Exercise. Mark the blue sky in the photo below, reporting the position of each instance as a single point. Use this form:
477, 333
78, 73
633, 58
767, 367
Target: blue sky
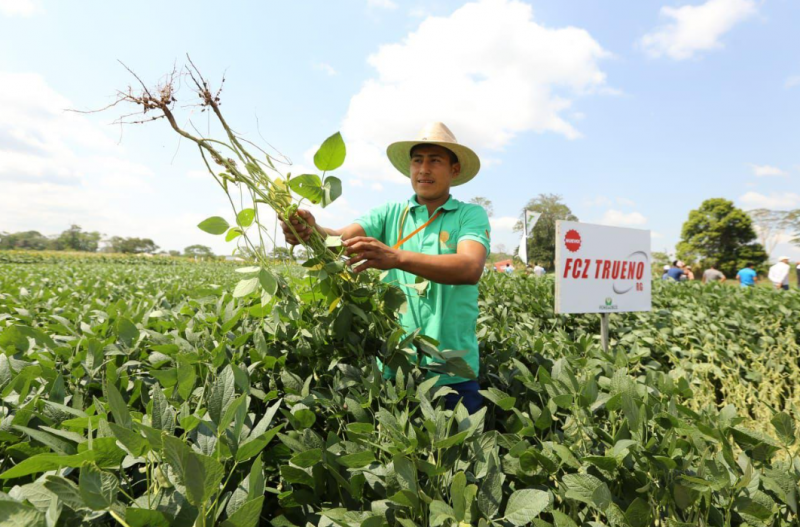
635, 112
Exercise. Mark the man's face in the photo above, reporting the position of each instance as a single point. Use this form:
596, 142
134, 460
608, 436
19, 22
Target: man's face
432, 173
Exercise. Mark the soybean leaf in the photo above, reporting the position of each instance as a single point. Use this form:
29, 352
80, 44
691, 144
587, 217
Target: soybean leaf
66, 490
525, 505
222, 394
784, 427
587, 489
15, 514
233, 233
245, 287
127, 331
638, 513
357, 460
245, 217
331, 190
202, 476
331, 154
119, 408
133, 441
307, 458
457, 496
308, 186
268, 282
247, 515
491, 490
136, 517
214, 225
97, 487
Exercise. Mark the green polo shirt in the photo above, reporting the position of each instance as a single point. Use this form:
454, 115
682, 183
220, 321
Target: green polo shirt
447, 313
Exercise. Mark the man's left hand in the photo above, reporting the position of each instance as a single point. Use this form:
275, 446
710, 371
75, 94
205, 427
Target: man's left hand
371, 253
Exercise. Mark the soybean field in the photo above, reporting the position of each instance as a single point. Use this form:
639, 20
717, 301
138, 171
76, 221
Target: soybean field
158, 395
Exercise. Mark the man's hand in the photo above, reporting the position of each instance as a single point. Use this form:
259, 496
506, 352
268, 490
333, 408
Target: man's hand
372, 253
303, 230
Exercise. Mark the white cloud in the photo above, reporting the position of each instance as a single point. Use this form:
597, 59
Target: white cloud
503, 74
384, 4
325, 67
766, 170
792, 81
20, 7
618, 218
783, 200
691, 29
376, 187
355, 182
656, 235
503, 223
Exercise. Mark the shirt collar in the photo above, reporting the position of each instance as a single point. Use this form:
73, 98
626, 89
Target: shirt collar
450, 204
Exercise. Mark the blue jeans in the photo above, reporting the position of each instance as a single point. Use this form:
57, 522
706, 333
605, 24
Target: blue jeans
467, 393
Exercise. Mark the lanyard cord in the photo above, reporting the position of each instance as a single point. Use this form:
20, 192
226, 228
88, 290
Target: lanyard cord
400, 238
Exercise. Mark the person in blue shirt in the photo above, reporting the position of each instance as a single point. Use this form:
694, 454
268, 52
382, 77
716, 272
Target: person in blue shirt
676, 271
747, 276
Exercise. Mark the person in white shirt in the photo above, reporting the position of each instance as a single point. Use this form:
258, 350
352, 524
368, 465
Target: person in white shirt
779, 273
798, 275
538, 270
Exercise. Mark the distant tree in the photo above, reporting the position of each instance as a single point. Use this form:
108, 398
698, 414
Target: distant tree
720, 232
198, 250
27, 240
173, 252
771, 226
118, 244
486, 203
75, 239
281, 253
542, 241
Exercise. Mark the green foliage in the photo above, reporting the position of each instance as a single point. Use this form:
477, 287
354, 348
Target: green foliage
542, 241
75, 239
146, 393
198, 250
118, 244
72, 239
486, 203
720, 232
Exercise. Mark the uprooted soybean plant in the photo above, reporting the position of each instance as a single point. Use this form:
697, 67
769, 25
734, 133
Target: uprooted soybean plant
205, 395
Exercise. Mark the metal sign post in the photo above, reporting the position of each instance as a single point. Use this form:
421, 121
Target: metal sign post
604, 330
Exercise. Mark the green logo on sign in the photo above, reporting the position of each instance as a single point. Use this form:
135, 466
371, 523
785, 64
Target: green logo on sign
608, 301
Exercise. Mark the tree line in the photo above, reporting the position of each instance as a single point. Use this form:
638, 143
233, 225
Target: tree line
77, 240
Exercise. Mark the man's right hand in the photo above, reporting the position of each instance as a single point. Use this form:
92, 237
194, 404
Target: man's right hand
303, 230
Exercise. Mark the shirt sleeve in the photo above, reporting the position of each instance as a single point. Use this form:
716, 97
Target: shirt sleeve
475, 226
374, 222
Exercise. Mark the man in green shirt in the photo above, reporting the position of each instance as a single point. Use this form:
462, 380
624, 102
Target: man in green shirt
433, 236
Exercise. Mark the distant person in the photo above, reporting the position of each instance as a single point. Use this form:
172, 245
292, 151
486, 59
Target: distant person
508, 269
779, 273
539, 270
676, 271
687, 270
747, 276
665, 273
713, 275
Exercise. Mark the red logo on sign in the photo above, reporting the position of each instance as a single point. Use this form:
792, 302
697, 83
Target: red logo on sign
572, 240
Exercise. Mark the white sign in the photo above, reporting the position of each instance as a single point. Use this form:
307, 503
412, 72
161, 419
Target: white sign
601, 269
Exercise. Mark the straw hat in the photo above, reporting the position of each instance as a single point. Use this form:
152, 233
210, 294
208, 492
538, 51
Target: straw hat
782, 258
435, 134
